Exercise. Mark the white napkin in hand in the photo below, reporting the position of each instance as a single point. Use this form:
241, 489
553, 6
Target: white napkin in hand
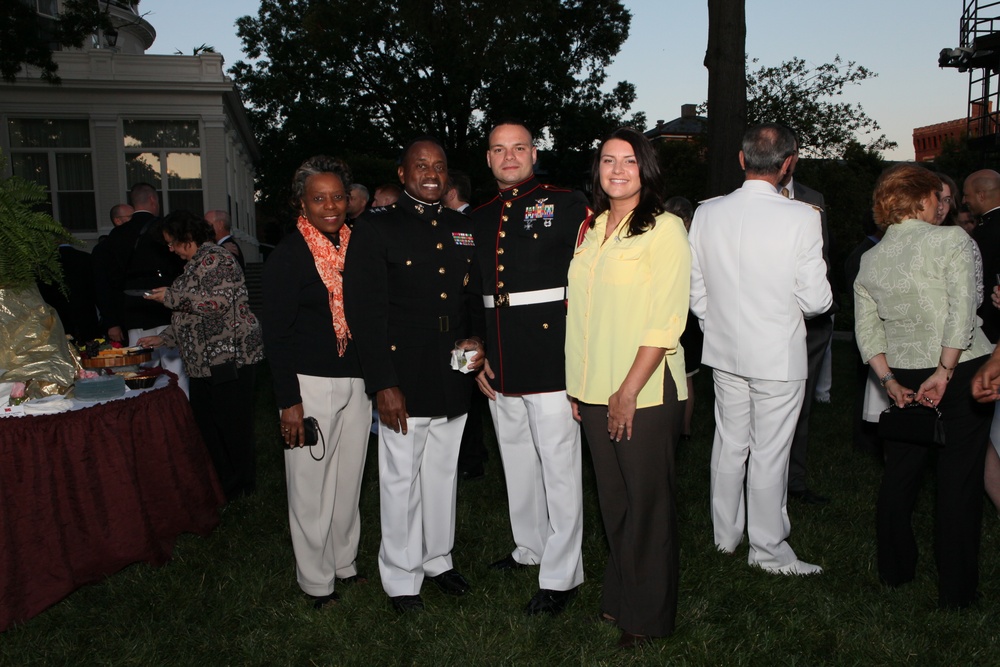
460, 359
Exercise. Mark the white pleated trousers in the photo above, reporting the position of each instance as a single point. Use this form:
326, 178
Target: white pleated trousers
323, 496
417, 488
541, 452
755, 421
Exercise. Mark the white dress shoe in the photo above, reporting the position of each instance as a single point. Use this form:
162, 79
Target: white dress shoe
797, 567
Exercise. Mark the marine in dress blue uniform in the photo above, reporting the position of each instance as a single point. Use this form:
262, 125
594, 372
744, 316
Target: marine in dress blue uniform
407, 299
525, 239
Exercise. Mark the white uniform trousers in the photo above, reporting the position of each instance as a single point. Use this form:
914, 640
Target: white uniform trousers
164, 357
417, 475
541, 452
323, 496
755, 421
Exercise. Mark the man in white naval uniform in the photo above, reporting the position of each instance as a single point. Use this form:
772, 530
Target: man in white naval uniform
757, 272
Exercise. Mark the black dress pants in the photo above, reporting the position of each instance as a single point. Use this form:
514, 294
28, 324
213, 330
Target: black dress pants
958, 507
636, 486
225, 417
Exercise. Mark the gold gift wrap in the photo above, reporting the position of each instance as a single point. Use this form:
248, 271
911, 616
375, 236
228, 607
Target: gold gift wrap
33, 344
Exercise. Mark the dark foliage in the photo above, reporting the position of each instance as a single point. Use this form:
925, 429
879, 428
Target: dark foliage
27, 38
360, 81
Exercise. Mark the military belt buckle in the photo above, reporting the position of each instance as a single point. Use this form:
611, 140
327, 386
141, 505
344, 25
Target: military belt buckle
443, 324
501, 300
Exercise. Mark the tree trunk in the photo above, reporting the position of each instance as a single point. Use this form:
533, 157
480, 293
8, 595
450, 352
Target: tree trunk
725, 59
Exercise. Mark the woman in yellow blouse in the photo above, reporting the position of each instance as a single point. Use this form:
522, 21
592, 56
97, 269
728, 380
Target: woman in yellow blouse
628, 300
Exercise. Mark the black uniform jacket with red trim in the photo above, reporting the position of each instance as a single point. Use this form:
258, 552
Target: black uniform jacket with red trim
410, 291
525, 238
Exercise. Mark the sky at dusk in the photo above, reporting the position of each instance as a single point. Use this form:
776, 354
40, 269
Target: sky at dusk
898, 39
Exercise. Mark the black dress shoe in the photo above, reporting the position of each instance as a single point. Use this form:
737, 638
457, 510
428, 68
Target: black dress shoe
353, 579
506, 564
451, 583
405, 603
549, 602
324, 601
808, 497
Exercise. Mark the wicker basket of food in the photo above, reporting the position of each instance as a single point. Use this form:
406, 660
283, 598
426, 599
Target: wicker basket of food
115, 357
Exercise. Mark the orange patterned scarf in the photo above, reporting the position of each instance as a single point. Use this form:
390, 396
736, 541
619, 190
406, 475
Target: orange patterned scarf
330, 265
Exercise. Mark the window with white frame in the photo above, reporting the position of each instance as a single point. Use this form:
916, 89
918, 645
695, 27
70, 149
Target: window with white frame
56, 154
167, 155
46, 7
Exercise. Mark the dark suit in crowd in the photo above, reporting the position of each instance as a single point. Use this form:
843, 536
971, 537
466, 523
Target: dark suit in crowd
987, 235
819, 331
139, 259
77, 309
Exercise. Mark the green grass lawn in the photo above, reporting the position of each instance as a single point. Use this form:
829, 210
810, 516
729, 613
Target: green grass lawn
231, 598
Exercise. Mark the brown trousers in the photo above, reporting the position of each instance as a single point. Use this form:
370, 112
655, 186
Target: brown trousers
636, 486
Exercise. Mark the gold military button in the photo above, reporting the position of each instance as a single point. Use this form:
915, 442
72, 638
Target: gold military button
535, 235
514, 192
500, 267
409, 262
504, 218
444, 295
502, 234
440, 246
499, 251
392, 347
434, 223
441, 270
500, 285
507, 204
545, 325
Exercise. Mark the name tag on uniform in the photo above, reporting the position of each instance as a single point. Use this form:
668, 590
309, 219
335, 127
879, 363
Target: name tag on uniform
462, 238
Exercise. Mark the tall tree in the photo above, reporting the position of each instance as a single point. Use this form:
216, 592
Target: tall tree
361, 81
27, 38
727, 92
805, 99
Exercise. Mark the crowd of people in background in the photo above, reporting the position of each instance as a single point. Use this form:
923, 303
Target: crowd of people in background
571, 321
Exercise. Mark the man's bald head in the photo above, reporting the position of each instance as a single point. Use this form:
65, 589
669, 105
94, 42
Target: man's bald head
221, 224
981, 191
120, 214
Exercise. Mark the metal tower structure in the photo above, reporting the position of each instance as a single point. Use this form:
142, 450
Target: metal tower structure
979, 54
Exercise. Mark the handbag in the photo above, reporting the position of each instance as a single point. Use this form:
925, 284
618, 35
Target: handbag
312, 435
915, 424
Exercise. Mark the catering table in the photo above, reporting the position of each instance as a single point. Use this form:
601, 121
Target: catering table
87, 492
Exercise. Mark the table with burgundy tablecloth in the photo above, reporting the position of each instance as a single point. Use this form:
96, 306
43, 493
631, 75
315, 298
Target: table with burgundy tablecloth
86, 492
